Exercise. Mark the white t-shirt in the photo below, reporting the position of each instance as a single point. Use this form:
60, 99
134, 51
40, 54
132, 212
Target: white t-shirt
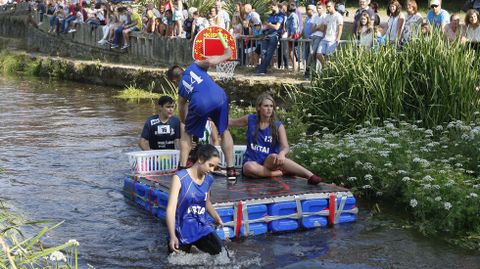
333, 21
393, 27
224, 15
473, 34
318, 20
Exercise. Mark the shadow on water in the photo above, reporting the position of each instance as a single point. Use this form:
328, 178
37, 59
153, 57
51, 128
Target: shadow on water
63, 144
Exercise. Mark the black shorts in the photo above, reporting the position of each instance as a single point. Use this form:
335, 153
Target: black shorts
210, 244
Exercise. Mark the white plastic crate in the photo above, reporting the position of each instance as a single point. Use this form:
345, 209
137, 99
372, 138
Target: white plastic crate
238, 153
153, 161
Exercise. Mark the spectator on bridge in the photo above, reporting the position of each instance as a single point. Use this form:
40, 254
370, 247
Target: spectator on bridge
412, 22
79, 19
56, 19
374, 7
150, 18
472, 27
215, 19
161, 21
454, 30
364, 6
274, 29
223, 14
436, 16
72, 15
395, 22
307, 34
364, 31
117, 31
318, 32
199, 23
333, 32
135, 25
188, 23
293, 31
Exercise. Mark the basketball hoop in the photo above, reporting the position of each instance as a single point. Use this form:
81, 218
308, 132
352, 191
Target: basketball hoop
225, 70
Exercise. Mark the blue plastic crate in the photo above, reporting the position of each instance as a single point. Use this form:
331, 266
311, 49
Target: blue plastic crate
314, 206
282, 209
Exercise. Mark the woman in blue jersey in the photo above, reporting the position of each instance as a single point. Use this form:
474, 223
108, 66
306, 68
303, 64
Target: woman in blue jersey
267, 144
188, 205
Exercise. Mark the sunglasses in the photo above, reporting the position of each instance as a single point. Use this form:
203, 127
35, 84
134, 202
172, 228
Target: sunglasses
434, 6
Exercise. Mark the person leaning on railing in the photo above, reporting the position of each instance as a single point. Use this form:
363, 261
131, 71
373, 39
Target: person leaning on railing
273, 31
413, 21
472, 28
454, 30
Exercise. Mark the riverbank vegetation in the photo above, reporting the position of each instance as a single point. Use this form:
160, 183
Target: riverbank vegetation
403, 127
22, 251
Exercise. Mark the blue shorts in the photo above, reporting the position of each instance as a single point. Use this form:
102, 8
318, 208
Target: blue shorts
327, 47
195, 122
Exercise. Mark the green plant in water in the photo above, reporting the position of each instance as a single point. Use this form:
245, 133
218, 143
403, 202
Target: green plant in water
132, 92
428, 80
19, 251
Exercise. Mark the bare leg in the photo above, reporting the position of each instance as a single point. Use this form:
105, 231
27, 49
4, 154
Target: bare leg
227, 147
288, 166
185, 147
254, 169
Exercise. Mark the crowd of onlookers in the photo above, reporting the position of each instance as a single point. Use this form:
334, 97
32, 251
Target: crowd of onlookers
312, 36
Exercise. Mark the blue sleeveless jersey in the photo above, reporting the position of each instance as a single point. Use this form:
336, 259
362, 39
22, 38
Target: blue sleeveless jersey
259, 150
191, 221
203, 94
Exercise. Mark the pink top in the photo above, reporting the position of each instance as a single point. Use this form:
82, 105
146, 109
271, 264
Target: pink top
450, 34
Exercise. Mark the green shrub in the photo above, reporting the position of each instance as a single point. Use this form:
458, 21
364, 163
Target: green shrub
427, 80
433, 173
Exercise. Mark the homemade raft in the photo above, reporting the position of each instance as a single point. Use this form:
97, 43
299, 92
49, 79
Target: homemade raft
248, 206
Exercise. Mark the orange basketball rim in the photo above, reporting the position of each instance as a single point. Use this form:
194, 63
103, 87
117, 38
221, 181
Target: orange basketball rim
208, 43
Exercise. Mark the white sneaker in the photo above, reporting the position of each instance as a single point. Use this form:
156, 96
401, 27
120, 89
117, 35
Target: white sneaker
102, 42
72, 31
125, 47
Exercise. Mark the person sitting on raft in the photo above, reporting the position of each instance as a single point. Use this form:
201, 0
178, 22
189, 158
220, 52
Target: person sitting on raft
267, 145
188, 205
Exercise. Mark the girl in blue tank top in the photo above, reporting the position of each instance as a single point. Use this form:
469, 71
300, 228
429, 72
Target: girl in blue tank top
267, 144
189, 203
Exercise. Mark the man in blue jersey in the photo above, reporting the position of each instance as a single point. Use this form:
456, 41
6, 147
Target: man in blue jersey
202, 98
161, 131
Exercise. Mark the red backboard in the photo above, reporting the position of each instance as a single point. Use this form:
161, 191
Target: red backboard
207, 43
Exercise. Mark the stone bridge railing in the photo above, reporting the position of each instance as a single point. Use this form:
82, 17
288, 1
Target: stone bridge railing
144, 48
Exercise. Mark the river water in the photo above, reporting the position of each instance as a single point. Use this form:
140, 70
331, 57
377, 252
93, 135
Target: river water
63, 148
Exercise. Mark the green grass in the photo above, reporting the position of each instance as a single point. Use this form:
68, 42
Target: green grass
21, 251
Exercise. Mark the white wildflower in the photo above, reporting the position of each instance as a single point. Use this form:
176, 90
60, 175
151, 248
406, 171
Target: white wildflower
439, 128
309, 115
384, 153
368, 166
428, 178
438, 198
341, 156
390, 126
325, 129
413, 203
73, 242
473, 195
427, 186
358, 163
379, 193
406, 179
389, 164
368, 177
367, 187
402, 172
436, 187
476, 113
351, 178
447, 205
367, 123
57, 256
428, 132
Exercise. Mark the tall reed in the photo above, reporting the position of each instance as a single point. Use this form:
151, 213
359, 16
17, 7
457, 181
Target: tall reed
428, 79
